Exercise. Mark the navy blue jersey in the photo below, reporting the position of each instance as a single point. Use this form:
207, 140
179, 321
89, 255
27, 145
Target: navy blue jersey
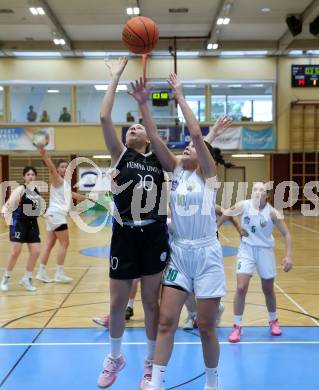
30, 205
142, 177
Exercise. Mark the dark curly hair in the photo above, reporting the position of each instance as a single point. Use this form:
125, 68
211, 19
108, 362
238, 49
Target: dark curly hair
217, 156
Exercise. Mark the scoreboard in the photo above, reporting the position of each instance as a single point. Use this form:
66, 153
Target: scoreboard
305, 76
160, 98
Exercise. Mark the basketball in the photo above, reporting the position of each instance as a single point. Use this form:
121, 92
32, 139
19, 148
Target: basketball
140, 35
40, 138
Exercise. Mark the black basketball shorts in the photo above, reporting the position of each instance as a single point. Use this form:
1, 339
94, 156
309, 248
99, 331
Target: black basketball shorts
138, 251
25, 231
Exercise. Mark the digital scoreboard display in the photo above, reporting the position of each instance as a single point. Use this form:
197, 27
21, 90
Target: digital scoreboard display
305, 76
160, 98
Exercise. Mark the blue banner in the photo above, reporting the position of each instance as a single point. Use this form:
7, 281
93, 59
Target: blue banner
257, 139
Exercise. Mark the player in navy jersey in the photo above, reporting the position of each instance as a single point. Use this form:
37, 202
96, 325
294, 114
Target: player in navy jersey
139, 245
23, 208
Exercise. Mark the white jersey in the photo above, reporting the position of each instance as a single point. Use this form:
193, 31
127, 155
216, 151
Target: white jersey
192, 206
60, 199
258, 224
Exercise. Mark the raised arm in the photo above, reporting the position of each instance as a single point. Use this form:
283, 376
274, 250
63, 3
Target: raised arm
206, 162
56, 178
283, 229
141, 92
114, 145
222, 124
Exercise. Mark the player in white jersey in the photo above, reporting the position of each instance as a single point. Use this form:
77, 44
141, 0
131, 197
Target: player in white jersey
56, 218
196, 257
256, 251
190, 321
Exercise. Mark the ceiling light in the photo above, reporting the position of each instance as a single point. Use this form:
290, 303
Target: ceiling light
187, 53
106, 156
59, 41
248, 155
53, 91
234, 86
257, 85
95, 54
33, 11
37, 11
40, 11
226, 20
232, 53
136, 10
265, 9
295, 53
220, 21
256, 52
1, 88
129, 10
213, 46
215, 85
37, 54
238, 53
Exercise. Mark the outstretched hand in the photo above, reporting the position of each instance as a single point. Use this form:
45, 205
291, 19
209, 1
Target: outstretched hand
41, 149
175, 84
222, 124
140, 91
117, 67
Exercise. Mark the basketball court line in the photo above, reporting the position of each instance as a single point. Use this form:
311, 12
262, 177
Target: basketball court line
93, 267
296, 303
145, 343
41, 330
223, 237
305, 228
283, 291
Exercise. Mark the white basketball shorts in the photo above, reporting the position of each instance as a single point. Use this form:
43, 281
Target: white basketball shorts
196, 265
250, 258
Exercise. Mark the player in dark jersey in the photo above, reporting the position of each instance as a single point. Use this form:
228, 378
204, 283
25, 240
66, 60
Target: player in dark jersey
139, 246
23, 208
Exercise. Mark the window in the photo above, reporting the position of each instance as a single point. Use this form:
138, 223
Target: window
195, 97
28, 103
89, 101
239, 108
218, 106
243, 102
262, 108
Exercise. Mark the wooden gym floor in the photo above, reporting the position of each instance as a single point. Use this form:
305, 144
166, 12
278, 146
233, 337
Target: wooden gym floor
74, 305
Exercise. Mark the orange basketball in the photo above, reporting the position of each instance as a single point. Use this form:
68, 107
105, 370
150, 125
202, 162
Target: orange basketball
140, 35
